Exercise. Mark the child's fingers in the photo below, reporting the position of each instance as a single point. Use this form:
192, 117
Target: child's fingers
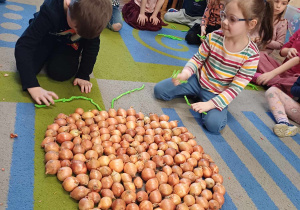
50, 99
45, 101
53, 94
38, 100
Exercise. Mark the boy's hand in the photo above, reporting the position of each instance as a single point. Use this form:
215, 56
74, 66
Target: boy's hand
41, 95
264, 78
154, 20
203, 31
292, 53
203, 106
183, 76
142, 19
84, 85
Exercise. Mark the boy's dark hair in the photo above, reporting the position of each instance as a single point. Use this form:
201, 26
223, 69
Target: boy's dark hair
90, 16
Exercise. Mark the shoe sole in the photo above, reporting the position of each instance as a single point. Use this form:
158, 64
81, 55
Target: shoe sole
282, 130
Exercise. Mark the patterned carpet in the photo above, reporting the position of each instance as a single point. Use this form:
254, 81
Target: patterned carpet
260, 170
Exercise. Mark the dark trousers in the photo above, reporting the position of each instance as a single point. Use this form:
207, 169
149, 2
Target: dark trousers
61, 59
191, 36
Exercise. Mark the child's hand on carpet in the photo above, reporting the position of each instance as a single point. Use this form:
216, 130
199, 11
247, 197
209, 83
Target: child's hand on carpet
84, 85
41, 95
203, 106
183, 76
154, 20
264, 78
142, 19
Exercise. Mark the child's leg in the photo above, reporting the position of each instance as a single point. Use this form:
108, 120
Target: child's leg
63, 63
191, 36
165, 90
115, 23
215, 120
180, 17
282, 106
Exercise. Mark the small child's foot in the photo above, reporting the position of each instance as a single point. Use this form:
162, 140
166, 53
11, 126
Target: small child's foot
285, 129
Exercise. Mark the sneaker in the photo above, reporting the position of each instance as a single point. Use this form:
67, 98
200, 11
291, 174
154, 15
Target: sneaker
285, 129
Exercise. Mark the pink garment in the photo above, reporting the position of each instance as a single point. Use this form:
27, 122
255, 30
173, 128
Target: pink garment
285, 80
150, 5
282, 106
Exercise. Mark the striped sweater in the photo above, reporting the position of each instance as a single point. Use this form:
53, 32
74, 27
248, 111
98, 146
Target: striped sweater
221, 72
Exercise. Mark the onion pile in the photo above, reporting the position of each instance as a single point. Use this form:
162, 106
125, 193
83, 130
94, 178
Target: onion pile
120, 159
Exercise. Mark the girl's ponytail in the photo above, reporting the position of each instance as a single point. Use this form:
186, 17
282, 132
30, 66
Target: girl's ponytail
266, 27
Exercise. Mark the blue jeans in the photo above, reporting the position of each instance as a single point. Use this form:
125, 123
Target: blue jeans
115, 18
214, 121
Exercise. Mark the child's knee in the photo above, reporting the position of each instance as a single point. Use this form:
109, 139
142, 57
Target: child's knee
116, 27
159, 93
215, 124
192, 38
271, 90
167, 17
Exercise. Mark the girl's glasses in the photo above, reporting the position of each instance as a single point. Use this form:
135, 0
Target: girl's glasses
231, 19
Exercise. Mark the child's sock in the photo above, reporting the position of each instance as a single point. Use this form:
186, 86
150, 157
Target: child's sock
256, 75
284, 128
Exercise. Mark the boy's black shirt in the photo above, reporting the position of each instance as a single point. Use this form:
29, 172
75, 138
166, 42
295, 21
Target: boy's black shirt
194, 8
50, 24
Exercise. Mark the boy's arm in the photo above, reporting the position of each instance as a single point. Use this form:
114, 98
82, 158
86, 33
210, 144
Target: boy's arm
88, 58
28, 43
295, 90
240, 81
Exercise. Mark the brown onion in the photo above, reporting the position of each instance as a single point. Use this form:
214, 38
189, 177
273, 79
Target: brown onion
207, 194
118, 204
213, 204
51, 146
129, 186
65, 154
128, 196
219, 198
104, 160
141, 196
83, 179
126, 178
95, 185
105, 203
78, 149
64, 173
202, 202
65, 163
132, 206
218, 178
117, 189
181, 189
79, 192
189, 200
51, 155
195, 189
107, 182
70, 183
182, 206
173, 179
150, 164
86, 203
219, 188
155, 197
165, 189
175, 198
95, 197
116, 177
151, 185
52, 166
107, 193
146, 205
117, 165
138, 182
78, 167
147, 174
162, 177
167, 204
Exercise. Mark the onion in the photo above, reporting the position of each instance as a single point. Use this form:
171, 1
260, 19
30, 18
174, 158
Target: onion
189, 175
98, 149
213, 204
132, 206
206, 172
182, 206
86, 144
146, 205
104, 114
118, 204
167, 204
105, 203
158, 160
131, 132
107, 193
117, 165
219, 188
168, 159
195, 189
140, 166
207, 194
176, 169
219, 198
203, 162
79, 111
128, 196
105, 171
121, 112
53, 126
109, 150
185, 181
196, 207
217, 178
51, 146
173, 179
117, 189
131, 151
52, 166
95, 197
132, 112
181, 189
78, 167
79, 192
139, 115
67, 145
162, 177
65, 154
77, 140
155, 197
64, 173
50, 133
51, 155
147, 174
151, 185
175, 198
133, 158
78, 149
61, 122
174, 123
79, 123
83, 179
179, 159
165, 189
65, 163
202, 202
140, 130
70, 183
85, 204
104, 160
167, 170
116, 177
141, 196
138, 182
198, 172
107, 182
75, 116
129, 186
189, 200
192, 161
47, 140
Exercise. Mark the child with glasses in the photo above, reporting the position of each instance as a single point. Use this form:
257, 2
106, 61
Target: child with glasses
225, 63
210, 22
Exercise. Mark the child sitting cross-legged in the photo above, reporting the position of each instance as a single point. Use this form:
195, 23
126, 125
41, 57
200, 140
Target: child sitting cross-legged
225, 63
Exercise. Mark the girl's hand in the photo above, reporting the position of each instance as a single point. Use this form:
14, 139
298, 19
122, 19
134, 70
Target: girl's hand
142, 19
154, 20
203, 31
84, 85
203, 106
264, 78
41, 95
292, 53
183, 76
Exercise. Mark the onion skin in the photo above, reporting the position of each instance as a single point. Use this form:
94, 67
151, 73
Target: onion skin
117, 189
85, 204
79, 192
95, 197
213, 204
105, 203
118, 204
70, 183
151, 185
155, 197
165, 189
83, 179
138, 182
146, 205
64, 173
117, 165
52, 167
128, 196
141, 196
167, 204
147, 174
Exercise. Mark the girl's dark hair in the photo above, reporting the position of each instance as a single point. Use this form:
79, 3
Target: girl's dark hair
90, 16
262, 11
279, 16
